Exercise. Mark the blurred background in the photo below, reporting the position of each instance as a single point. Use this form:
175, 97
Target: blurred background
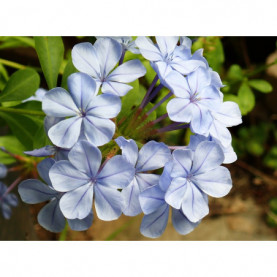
248, 68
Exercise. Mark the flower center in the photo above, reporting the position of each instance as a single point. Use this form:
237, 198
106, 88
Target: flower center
194, 98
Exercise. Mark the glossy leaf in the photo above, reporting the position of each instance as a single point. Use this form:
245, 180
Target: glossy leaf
261, 85
246, 99
69, 69
21, 85
50, 52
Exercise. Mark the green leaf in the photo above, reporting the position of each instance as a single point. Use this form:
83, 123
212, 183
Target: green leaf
50, 52
231, 97
261, 85
273, 205
235, 73
69, 69
270, 159
13, 145
41, 139
246, 99
12, 42
132, 99
21, 85
23, 127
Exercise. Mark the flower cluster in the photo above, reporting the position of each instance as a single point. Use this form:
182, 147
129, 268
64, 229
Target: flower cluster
116, 164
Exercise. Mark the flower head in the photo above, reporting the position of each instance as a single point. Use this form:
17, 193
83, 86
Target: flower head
153, 155
84, 110
99, 60
82, 178
33, 191
196, 175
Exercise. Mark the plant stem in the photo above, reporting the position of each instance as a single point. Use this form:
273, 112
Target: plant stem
159, 103
11, 187
154, 94
16, 65
22, 111
172, 127
155, 80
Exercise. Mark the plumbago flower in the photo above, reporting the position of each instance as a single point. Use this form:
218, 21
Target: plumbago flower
156, 209
84, 109
166, 55
82, 178
33, 191
84, 118
195, 98
99, 60
153, 155
3, 171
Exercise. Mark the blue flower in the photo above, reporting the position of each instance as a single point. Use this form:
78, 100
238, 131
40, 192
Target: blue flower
99, 60
39, 94
156, 209
82, 179
167, 56
3, 171
195, 98
152, 155
84, 110
229, 153
50, 217
228, 115
196, 175
7, 200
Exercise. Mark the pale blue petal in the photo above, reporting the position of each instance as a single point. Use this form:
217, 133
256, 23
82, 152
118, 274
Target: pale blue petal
195, 203
216, 183
58, 103
230, 155
61, 154
207, 156
108, 52
117, 173
185, 41
163, 70
229, 114
78, 202
65, 177
82, 89
167, 44
43, 170
152, 155
181, 224
178, 84
108, 203
195, 140
180, 110
81, 224
66, 133
130, 199
165, 178
3, 171
186, 67
116, 88
129, 149
147, 180
98, 131
51, 218
127, 72
6, 210
85, 59
210, 97
148, 50
34, 191
201, 119
45, 151
221, 133
11, 199
153, 225
176, 192
199, 79
85, 157
151, 199
104, 106
182, 162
